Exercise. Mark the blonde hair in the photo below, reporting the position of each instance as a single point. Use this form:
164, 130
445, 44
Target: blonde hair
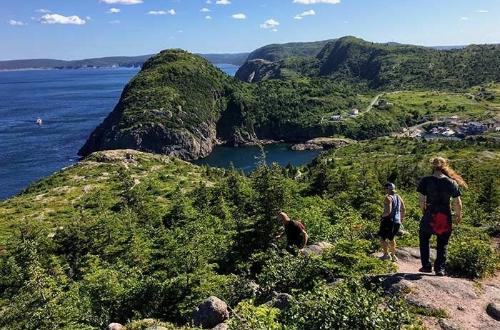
441, 164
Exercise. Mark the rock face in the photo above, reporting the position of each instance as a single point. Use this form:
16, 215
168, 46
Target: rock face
210, 313
171, 107
257, 70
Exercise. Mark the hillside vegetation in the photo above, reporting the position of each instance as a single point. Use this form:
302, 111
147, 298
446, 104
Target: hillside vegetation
181, 105
391, 66
125, 235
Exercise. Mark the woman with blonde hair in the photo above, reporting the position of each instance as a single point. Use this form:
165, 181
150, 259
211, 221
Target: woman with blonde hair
435, 193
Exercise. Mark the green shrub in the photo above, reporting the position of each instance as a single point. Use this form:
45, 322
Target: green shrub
347, 306
472, 258
250, 317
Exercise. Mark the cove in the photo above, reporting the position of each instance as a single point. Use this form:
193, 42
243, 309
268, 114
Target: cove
247, 158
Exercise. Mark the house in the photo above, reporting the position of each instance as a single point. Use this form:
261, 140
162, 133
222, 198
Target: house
354, 112
336, 117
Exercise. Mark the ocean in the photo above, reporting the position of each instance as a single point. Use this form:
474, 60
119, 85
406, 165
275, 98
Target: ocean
71, 104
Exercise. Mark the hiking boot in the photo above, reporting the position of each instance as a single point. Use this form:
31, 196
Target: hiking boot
394, 258
426, 269
385, 257
440, 273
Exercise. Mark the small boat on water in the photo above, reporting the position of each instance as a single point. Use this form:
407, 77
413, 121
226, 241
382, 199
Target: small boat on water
39, 122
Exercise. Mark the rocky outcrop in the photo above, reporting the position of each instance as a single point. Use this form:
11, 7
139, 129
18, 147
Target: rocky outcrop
258, 70
460, 300
171, 107
210, 313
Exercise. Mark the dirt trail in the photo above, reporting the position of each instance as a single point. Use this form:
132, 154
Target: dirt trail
463, 301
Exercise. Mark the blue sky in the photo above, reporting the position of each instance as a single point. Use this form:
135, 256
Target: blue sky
74, 29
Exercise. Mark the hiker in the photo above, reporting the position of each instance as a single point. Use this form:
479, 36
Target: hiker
295, 231
390, 223
435, 193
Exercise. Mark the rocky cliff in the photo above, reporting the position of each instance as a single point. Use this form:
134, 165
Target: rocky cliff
171, 107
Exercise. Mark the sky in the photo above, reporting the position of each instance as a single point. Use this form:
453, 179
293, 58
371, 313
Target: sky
77, 29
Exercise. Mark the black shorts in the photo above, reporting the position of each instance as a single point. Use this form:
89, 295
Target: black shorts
388, 229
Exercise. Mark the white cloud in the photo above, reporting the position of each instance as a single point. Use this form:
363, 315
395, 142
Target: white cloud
208, 17
223, 2
312, 2
481, 11
306, 13
205, 10
122, 2
43, 11
13, 22
60, 19
162, 12
114, 10
464, 18
208, 2
239, 16
270, 24
114, 22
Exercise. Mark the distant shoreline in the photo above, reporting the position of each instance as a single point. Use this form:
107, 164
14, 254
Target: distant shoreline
94, 68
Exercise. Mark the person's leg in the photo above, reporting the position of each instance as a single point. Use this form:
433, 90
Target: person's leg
424, 238
384, 245
392, 250
441, 252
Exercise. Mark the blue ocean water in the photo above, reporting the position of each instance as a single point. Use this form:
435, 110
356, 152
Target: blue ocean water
71, 104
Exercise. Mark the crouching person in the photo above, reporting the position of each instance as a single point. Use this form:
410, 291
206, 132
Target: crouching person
296, 235
390, 223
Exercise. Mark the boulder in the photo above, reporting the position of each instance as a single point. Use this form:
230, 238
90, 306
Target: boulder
156, 327
412, 252
280, 300
210, 313
493, 310
447, 325
316, 249
397, 285
115, 326
221, 326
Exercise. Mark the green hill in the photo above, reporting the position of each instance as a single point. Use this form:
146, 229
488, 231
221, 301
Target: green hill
124, 236
170, 107
276, 52
388, 66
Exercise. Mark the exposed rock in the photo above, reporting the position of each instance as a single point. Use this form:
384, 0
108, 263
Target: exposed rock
210, 313
329, 143
280, 300
221, 326
156, 327
115, 326
257, 70
306, 146
316, 249
397, 285
493, 310
410, 252
447, 325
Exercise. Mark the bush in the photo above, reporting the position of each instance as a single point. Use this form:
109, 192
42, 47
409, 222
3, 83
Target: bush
346, 306
472, 258
249, 317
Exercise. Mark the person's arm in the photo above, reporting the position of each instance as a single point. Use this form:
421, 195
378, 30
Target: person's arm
403, 209
457, 208
387, 207
422, 199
